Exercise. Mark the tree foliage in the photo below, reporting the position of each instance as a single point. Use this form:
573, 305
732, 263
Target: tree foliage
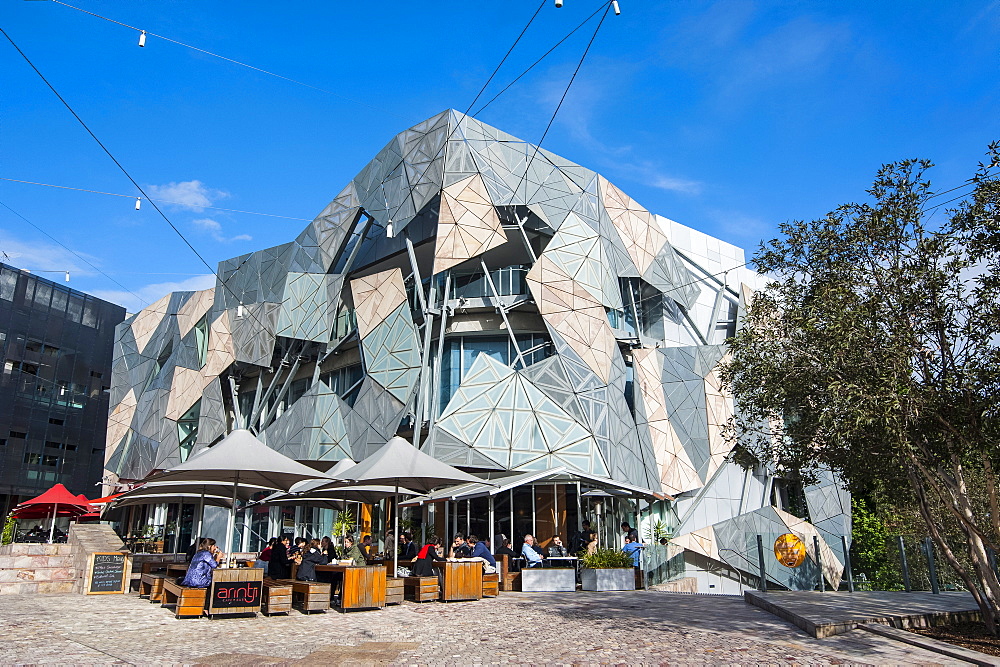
874, 352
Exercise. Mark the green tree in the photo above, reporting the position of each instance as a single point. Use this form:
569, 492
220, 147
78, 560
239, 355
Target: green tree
874, 352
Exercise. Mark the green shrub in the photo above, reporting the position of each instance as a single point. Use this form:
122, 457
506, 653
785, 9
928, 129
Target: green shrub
605, 558
9, 530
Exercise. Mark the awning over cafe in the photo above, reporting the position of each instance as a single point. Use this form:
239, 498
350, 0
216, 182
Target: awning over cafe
559, 475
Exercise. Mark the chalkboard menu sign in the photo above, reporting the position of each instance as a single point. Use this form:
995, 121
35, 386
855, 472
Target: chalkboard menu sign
108, 573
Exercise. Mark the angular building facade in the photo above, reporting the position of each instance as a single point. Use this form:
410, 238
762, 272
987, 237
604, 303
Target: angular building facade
56, 345
509, 311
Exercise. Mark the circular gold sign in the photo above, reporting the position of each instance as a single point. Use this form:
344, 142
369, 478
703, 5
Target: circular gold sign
790, 550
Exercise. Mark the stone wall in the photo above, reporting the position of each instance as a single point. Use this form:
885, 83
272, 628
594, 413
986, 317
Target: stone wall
37, 569
85, 539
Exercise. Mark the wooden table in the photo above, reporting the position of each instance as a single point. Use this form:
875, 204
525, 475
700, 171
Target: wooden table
461, 580
363, 586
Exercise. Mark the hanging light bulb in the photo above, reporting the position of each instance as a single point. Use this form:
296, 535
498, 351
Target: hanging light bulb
138, 203
614, 5
142, 38
559, 3
67, 276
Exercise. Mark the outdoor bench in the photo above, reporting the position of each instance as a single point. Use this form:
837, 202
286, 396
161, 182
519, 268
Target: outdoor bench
186, 600
394, 590
421, 589
277, 597
151, 586
309, 595
491, 585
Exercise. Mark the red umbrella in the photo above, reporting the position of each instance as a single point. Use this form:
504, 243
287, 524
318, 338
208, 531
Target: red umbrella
57, 501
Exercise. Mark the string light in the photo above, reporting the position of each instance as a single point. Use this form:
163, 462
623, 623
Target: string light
138, 203
142, 38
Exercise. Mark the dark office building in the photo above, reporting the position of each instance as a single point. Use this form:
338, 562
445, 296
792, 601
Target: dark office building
56, 345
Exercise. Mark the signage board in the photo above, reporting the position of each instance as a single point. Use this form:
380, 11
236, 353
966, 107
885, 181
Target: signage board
235, 590
107, 573
790, 550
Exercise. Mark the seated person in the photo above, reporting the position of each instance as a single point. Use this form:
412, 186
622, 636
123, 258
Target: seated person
480, 550
459, 549
193, 549
407, 549
529, 553
367, 548
206, 559
422, 566
591, 543
308, 559
353, 552
557, 549
632, 548
300, 544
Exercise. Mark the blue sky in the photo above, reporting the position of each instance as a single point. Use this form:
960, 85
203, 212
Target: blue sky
730, 117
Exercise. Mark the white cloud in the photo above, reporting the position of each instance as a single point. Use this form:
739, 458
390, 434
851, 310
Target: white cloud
191, 195
36, 256
150, 293
214, 229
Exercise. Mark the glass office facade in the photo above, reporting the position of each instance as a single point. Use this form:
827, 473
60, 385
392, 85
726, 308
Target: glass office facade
56, 346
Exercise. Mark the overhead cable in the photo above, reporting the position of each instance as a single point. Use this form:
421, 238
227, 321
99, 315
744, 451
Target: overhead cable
165, 201
231, 60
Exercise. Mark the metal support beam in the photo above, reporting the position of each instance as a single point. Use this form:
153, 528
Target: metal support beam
259, 405
418, 285
436, 384
503, 312
284, 390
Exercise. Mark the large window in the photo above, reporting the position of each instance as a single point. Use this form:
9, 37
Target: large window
201, 340
461, 352
187, 430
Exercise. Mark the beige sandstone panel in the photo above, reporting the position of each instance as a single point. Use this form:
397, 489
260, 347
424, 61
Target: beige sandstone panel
119, 421
574, 314
674, 467
700, 541
468, 225
638, 230
185, 388
376, 297
220, 349
194, 309
146, 321
720, 409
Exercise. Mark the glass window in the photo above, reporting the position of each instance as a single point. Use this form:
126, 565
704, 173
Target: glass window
60, 298
89, 314
187, 430
8, 283
201, 340
43, 294
75, 312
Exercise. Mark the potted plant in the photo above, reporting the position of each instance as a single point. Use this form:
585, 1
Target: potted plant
607, 570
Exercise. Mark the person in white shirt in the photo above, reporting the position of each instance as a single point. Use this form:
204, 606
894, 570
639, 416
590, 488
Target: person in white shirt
533, 557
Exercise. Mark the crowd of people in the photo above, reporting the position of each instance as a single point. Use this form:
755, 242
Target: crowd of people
282, 553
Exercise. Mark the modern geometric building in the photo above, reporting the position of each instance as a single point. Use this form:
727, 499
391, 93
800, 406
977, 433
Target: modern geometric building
511, 312
56, 349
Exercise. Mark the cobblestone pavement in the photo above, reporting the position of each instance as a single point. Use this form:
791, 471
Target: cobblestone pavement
557, 628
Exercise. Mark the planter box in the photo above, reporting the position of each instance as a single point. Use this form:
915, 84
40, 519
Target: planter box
608, 579
548, 579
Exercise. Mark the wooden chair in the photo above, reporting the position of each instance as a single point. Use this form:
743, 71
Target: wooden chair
187, 601
509, 581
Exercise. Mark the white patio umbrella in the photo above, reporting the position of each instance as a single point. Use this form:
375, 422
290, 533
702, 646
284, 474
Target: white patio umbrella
240, 458
403, 466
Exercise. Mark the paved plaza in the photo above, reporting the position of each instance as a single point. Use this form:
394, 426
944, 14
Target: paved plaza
554, 628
